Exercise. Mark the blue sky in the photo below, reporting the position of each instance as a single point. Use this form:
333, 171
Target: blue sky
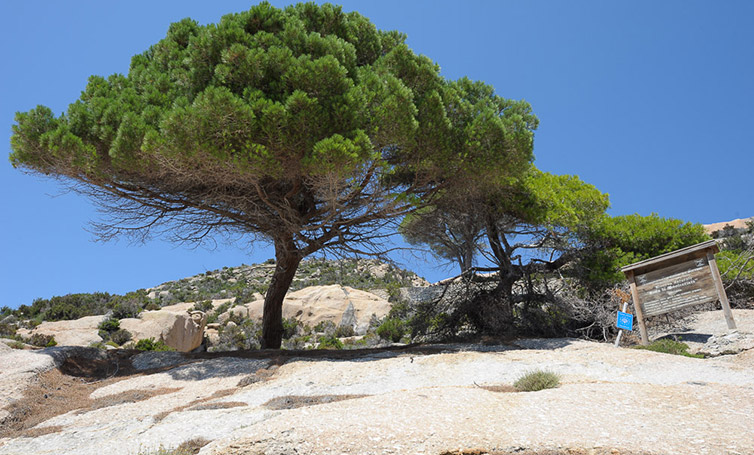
652, 102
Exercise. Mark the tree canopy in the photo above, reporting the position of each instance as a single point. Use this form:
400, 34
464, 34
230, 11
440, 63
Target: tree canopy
306, 127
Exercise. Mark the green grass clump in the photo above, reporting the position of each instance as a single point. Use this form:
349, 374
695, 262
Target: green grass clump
537, 380
149, 344
329, 342
668, 346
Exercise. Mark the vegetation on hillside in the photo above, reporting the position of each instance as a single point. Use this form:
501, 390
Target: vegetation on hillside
736, 263
311, 129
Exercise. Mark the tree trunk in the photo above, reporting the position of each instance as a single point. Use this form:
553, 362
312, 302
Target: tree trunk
288, 259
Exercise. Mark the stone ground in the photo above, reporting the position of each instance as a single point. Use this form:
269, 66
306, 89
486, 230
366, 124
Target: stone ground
441, 399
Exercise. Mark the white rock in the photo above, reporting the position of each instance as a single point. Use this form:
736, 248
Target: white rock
78, 332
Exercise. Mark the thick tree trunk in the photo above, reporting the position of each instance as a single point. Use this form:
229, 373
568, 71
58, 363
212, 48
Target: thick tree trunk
508, 273
288, 259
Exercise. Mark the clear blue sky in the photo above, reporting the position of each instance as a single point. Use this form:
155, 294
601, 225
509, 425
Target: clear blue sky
652, 102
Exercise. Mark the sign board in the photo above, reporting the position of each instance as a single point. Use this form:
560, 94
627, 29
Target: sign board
625, 321
676, 280
678, 286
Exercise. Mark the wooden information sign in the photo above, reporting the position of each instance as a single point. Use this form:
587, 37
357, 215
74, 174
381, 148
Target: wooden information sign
676, 280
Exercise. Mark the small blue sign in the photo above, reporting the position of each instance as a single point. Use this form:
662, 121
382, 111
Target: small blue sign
625, 321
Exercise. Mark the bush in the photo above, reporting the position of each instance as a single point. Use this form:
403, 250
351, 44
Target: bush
126, 309
110, 324
391, 330
148, 344
7, 330
17, 345
242, 334
290, 327
109, 330
326, 327
217, 312
204, 306
537, 380
120, 337
330, 342
344, 331
668, 346
42, 341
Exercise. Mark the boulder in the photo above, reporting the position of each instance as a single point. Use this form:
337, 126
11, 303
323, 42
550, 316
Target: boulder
175, 325
342, 305
78, 332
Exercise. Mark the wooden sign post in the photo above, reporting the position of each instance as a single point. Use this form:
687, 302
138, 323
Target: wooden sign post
676, 280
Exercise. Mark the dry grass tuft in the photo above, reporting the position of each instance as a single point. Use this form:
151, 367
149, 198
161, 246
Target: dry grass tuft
218, 405
295, 401
129, 396
261, 375
50, 394
219, 394
53, 393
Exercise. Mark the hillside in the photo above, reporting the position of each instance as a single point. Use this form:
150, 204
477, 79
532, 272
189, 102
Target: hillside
243, 283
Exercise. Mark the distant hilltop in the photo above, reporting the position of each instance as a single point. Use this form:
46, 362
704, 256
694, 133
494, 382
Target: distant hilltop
737, 224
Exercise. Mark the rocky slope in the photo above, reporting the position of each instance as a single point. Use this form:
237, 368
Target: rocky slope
431, 400
351, 294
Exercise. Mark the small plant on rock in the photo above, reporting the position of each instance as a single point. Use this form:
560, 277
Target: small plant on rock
344, 331
326, 327
537, 380
120, 337
204, 306
668, 346
330, 342
149, 344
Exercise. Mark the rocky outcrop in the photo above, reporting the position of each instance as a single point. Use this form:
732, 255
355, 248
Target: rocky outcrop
342, 305
739, 223
78, 332
176, 325
454, 398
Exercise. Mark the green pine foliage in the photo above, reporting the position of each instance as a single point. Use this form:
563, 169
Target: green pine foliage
622, 240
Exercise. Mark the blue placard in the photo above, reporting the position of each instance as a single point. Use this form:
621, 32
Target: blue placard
625, 321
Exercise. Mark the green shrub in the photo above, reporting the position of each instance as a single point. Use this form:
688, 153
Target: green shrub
7, 330
127, 308
17, 345
98, 345
391, 330
204, 306
217, 312
110, 324
42, 341
148, 344
243, 334
290, 327
120, 337
537, 380
344, 331
668, 346
326, 327
329, 342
